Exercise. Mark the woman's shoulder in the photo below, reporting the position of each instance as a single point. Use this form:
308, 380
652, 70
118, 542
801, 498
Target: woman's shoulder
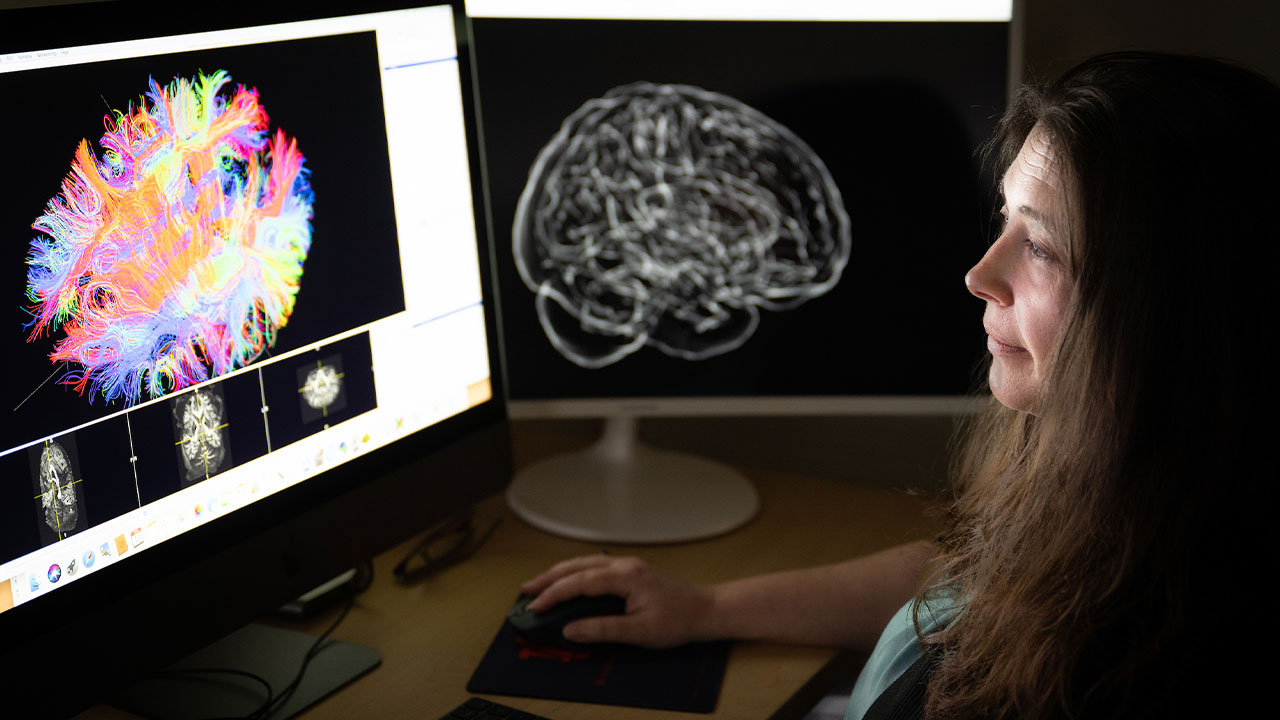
899, 646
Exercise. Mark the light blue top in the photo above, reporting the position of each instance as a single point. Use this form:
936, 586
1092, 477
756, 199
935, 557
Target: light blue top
896, 650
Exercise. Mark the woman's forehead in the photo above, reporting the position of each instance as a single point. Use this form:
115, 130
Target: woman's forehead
1032, 186
1035, 161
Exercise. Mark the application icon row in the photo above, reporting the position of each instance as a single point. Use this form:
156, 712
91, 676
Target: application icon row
60, 571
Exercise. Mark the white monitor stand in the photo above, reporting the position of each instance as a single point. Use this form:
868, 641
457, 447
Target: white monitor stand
619, 490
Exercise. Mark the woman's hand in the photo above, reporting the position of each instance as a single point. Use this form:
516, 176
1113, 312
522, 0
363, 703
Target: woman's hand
841, 605
662, 610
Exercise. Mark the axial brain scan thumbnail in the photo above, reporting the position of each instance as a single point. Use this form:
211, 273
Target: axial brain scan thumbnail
174, 255
669, 216
199, 419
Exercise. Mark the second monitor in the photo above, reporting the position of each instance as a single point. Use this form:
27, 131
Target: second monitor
701, 212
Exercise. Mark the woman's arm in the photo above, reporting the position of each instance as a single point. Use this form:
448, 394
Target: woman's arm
842, 605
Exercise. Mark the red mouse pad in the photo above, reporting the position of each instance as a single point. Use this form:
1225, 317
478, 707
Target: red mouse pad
686, 678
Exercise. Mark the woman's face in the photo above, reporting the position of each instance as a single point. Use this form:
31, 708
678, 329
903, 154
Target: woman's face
1023, 276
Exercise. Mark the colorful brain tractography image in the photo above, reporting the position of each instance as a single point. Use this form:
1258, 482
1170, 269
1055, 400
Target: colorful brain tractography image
669, 216
321, 388
175, 254
200, 424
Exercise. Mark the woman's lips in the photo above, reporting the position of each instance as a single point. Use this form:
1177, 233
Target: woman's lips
998, 348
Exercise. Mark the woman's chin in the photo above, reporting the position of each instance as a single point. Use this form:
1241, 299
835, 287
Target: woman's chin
1015, 390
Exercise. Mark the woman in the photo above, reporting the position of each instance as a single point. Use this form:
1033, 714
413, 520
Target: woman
1106, 533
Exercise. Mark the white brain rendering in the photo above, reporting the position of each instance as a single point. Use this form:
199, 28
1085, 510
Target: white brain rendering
668, 216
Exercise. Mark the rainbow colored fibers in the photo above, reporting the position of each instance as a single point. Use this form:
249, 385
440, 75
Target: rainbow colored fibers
176, 254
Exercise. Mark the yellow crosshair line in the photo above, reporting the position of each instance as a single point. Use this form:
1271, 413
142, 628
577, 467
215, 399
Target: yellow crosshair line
204, 456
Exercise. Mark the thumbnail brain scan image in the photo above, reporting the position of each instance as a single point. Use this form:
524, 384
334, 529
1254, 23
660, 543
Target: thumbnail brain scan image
670, 216
321, 388
57, 490
174, 253
200, 421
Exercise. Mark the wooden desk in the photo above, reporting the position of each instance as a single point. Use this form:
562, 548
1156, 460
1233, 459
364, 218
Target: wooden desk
433, 634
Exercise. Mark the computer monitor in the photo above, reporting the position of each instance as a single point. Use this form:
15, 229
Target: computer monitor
727, 208
249, 329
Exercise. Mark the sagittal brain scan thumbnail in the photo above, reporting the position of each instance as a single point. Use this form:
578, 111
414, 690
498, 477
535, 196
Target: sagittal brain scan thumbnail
175, 253
200, 425
59, 491
669, 216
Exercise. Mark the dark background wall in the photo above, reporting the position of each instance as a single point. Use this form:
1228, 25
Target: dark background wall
1054, 33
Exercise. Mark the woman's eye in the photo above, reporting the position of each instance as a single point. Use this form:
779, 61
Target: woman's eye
1037, 251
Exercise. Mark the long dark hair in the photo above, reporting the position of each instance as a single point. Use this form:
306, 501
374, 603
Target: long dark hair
1101, 546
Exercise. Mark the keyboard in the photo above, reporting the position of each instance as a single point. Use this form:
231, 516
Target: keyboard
481, 709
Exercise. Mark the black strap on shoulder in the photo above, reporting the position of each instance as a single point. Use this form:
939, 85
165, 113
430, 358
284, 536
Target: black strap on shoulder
904, 699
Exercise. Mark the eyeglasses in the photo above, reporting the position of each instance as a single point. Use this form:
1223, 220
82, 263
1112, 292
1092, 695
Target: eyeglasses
448, 542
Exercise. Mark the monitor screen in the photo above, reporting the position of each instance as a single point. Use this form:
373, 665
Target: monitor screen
245, 282
699, 202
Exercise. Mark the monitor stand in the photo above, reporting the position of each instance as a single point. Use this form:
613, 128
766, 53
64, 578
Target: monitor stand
274, 654
623, 491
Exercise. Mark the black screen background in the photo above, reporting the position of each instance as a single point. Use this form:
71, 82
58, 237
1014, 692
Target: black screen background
895, 110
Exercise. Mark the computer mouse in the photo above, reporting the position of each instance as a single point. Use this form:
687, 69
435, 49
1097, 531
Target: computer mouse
547, 627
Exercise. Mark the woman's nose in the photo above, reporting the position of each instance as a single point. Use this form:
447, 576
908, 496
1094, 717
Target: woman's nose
988, 279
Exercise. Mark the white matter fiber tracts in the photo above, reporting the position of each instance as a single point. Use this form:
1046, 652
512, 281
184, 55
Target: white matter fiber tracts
668, 215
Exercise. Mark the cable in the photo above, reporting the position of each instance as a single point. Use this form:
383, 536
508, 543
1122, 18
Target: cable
273, 702
217, 671
269, 707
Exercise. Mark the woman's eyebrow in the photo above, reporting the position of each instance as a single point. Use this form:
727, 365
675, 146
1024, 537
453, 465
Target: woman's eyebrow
1039, 218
